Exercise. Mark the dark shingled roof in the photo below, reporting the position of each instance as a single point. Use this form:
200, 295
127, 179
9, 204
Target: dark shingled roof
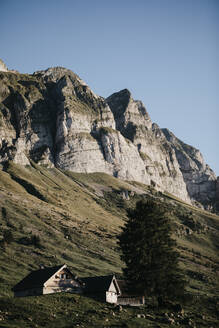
126, 291
123, 287
36, 278
97, 284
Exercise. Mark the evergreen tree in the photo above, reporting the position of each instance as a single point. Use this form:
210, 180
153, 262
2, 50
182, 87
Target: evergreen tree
150, 253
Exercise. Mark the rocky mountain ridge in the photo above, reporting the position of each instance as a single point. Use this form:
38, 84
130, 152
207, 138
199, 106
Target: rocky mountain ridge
53, 118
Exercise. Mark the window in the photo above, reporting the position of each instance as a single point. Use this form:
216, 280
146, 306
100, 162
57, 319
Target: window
63, 275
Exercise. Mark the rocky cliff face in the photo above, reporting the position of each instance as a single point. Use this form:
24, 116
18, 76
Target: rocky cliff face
53, 118
3, 67
198, 176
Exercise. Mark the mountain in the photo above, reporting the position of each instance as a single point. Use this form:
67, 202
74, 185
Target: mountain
53, 118
71, 164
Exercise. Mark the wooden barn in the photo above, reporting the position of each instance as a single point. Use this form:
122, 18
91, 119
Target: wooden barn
47, 281
128, 297
103, 288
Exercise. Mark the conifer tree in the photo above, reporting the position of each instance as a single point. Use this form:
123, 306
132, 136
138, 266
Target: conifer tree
149, 252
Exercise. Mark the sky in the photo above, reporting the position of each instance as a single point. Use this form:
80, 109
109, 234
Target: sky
166, 52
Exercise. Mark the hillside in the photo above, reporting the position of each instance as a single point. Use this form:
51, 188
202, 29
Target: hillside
57, 216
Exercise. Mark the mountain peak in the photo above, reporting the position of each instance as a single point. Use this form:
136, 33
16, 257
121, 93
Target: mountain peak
119, 101
55, 73
124, 95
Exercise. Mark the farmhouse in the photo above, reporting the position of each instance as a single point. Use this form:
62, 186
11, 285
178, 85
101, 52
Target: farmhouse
103, 288
60, 279
47, 281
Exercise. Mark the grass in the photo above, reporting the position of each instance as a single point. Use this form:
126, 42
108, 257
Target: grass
67, 310
77, 218
144, 156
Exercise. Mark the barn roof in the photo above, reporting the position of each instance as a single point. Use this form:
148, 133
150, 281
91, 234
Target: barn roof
37, 278
98, 284
123, 287
126, 290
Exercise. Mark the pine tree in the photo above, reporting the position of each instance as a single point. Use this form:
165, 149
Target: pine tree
150, 253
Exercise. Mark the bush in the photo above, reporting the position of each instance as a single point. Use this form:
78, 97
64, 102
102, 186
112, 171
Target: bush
7, 236
4, 213
32, 240
35, 240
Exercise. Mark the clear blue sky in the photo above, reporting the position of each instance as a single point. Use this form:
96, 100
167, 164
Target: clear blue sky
166, 52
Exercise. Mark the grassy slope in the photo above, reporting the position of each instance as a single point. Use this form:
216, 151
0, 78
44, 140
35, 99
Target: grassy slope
70, 223
77, 218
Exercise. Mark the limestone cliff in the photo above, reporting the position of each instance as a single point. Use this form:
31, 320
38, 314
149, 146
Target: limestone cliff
3, 67
160, 163
54, 118
198, 176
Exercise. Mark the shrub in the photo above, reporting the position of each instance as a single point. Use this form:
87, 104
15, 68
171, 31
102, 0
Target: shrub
7, 236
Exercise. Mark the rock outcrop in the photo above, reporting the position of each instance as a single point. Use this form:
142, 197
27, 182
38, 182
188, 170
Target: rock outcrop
159, 159
3, 67
53, 118
198, 176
